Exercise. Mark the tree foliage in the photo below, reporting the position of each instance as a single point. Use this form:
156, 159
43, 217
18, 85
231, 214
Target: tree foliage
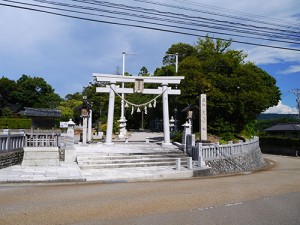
29, 92
69, 109
7, 90
183, 50
36, 92
237, 91
143, 72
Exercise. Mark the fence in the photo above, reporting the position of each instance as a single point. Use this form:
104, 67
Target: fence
17, 139
42, 138
216, 151
11, 141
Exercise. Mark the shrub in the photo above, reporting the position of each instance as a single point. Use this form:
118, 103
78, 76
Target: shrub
15, 123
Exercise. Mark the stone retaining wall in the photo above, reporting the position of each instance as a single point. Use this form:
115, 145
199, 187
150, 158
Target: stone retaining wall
11, 158
240, 163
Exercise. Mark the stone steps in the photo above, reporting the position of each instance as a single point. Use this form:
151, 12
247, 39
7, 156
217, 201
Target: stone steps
129, 161
129, 165
122, 160
127, 149
121, 156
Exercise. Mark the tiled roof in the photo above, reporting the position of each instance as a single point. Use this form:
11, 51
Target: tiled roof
33, 112
284, 127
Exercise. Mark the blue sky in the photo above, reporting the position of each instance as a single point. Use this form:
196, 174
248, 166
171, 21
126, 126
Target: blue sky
65, 52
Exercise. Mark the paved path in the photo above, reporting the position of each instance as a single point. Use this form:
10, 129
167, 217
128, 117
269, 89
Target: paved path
64, 172
140, 136
269, 197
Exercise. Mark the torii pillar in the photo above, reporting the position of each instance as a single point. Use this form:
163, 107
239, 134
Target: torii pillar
110, 117
166, 118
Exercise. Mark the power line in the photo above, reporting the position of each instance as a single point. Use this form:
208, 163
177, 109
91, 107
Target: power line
254, 30
237, 12
155, 23
185, 16
103, 3
134, 25
211, 13
155, 18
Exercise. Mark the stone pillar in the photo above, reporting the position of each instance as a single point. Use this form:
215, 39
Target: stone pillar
178, 164
241, 146
186, 131
84, 130
70, 150
201, 162
90, 127
166, 115
110, 117
190, 142
203, 118
230, 143
190, 163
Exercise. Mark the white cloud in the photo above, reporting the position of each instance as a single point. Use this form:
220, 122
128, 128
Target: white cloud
24, 33
291, 69
281, 109
263, 56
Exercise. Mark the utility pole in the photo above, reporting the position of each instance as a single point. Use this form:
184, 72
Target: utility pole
122, 131
176, 56
297, 93
176, 61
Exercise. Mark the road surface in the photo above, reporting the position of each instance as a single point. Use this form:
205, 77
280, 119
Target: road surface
265, 197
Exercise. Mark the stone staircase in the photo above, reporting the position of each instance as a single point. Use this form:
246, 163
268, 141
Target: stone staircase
136, 156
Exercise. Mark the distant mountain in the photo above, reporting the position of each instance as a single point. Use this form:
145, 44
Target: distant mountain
274, 116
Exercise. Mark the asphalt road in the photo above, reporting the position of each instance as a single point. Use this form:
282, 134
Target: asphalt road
265, 197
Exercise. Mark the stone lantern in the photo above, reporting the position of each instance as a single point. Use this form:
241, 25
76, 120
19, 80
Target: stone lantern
189, 110
172, 124
70, 150
86, 113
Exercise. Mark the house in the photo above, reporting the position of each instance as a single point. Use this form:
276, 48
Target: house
291, 130
42, 118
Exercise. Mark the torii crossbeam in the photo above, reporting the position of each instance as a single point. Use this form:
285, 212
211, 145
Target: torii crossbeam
112, 89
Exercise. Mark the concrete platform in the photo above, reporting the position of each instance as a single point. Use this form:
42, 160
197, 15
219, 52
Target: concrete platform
72, 172
63, 172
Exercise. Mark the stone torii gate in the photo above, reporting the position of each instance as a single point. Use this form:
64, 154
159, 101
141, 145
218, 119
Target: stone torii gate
139, 81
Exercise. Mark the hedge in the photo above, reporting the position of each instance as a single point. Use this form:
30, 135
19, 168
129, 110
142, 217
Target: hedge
279, 141
15, 123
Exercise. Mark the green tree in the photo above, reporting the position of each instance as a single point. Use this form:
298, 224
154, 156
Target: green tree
237, 91
35, 92
69, 109
7, 91
76, 96
143, 72
7, 113
168, 70
183, 50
